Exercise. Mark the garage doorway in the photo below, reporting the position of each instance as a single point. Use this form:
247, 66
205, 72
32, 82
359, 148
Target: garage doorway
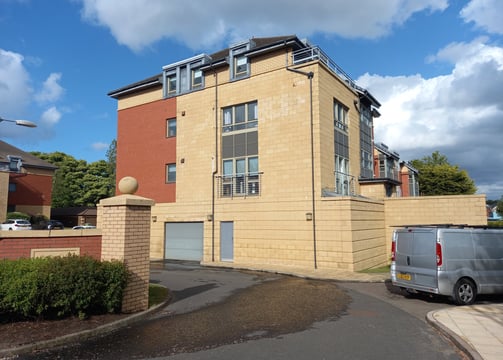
184, 241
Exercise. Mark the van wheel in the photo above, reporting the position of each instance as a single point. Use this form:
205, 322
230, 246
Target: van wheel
464, 292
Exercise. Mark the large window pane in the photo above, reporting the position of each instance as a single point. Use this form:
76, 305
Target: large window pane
253, 165
228, 168
240, 113
240, 166
252, 111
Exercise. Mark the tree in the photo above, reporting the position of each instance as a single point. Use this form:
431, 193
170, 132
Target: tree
438, 177
499, 207
77, 183
112, 163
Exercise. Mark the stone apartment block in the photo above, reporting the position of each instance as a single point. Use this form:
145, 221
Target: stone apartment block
259, 155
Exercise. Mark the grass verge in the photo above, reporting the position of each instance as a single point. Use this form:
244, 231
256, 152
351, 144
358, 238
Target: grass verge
157, 294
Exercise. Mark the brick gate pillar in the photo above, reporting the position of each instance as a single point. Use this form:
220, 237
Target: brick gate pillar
125, 228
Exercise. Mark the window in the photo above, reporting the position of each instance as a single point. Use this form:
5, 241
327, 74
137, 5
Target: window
343, 179
186, 76
15, 163
240, 65
240, 165
340, 116
197, 78
240, 117
171, 127
238, 61
240, 176
171, 173
171, 80
366, 161
12, 187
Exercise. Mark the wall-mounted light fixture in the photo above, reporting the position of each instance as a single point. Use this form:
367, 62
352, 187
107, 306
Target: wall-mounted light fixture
154, 218
209, 217
183, 113
309, 216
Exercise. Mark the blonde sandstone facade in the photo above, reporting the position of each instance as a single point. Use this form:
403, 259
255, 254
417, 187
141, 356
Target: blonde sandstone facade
297, 203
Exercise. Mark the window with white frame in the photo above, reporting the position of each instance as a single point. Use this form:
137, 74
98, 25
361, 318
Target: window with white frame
240, 66
240, 117
170, 127
171, 84
170, 173
197, 78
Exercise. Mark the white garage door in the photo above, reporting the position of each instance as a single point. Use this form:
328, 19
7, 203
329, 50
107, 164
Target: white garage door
184, 241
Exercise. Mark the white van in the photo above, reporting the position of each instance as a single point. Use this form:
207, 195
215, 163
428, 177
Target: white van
453, 260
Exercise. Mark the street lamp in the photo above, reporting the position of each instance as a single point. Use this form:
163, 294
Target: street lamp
20, 122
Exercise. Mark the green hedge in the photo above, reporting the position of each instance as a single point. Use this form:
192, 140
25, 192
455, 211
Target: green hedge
56, 287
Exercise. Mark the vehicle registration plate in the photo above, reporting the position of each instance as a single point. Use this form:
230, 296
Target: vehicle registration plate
403, 276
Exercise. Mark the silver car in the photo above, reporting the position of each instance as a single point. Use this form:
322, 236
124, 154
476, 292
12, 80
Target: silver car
15, 224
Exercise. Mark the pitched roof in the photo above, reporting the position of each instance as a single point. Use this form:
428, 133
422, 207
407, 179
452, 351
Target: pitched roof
258, 45
28, 159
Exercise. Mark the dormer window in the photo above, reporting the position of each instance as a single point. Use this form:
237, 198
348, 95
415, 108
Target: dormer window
184, 77
15, 163
240, 66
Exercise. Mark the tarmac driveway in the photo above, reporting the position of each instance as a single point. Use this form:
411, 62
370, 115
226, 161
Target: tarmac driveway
229, 314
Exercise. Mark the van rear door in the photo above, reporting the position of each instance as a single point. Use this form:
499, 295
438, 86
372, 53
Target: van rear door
416, 259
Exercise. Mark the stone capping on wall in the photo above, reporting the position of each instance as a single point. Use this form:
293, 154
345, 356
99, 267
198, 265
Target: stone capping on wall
127, 200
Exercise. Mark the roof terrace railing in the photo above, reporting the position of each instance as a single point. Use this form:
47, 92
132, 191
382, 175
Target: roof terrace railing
315, 53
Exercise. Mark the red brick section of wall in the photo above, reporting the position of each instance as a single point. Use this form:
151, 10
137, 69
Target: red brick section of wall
31, 190
15, 248
144, 150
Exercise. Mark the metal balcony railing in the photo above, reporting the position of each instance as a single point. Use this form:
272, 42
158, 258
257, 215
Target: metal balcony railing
239, 185
344, 184
389, 174
315, 53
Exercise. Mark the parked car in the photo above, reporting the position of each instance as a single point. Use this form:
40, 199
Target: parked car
85, 226
54, 224
15, 224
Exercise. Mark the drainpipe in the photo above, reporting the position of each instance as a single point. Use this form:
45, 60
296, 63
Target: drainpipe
214, 172
310, 76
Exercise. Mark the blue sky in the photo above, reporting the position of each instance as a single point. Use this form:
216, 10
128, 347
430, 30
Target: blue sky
436, 66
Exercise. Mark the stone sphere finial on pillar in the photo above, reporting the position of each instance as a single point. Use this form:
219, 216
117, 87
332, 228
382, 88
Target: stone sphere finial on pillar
128, 185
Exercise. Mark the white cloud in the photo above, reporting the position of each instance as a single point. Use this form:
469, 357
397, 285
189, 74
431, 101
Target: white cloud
51, 91
486, 14
15, 89
99, 146
51, 116
458, 114
202, 24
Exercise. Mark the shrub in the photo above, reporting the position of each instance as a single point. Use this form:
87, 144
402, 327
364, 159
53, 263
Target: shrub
61, 286
498, 223
18, 215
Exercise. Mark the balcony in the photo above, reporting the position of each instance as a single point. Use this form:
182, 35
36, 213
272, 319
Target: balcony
315, 53
391, 174
240, 185
345, 185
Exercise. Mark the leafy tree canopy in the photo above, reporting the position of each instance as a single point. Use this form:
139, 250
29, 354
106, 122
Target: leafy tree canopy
77, 183
499, 207
438, 177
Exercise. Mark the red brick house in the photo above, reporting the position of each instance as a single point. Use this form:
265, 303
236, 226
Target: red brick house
25, 182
